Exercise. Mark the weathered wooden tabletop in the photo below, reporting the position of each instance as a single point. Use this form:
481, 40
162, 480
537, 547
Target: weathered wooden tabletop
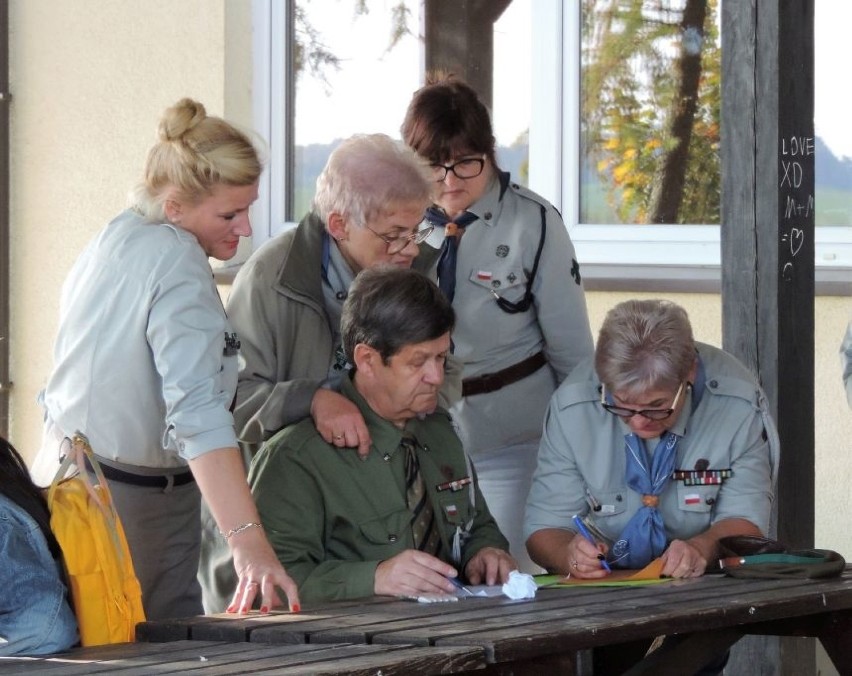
207, 658
714, 610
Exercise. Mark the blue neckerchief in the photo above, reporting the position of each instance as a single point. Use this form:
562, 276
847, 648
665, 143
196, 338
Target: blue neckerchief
449, 248
644, 537
326, 254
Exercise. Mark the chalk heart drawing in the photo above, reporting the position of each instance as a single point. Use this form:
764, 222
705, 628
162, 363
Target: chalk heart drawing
797, 238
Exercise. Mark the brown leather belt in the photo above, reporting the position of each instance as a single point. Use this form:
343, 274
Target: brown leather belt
491, 382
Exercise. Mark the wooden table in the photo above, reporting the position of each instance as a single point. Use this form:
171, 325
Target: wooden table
205, 658
711, 612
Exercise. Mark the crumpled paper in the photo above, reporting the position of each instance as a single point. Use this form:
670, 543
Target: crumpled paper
520, 586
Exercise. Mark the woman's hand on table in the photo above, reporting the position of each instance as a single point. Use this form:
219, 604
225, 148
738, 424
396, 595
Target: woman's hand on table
260, 572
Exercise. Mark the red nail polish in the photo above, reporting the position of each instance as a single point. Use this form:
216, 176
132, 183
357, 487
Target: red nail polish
231, 609
264, 609
296, 608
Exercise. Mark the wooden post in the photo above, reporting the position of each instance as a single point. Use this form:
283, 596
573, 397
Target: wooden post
768, 241
460, 40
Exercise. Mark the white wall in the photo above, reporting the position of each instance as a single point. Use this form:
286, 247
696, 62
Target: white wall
89, 80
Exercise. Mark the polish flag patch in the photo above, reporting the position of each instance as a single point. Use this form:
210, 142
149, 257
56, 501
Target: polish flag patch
691, 499
484, 274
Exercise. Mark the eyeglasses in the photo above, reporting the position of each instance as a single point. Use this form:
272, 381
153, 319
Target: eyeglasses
396, 244
470, 167
649, 413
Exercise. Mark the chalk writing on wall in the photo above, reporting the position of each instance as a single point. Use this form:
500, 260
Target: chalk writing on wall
798, 201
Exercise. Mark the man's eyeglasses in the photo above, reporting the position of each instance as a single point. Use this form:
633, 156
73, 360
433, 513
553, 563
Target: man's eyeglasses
396, 244
649, 413
470, 167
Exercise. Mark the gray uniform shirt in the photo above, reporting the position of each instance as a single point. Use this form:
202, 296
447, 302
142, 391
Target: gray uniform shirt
141, 365
496, 254
582, 458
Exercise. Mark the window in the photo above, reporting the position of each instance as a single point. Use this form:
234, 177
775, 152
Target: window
346, 71
688, 254
541, 143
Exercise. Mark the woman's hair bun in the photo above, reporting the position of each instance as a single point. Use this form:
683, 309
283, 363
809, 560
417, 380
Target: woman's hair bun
180, 118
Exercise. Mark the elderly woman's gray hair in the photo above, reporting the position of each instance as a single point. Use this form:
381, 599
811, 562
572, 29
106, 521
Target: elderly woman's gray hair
644, 345
371, 174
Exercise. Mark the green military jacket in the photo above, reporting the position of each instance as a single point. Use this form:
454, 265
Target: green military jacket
332, 517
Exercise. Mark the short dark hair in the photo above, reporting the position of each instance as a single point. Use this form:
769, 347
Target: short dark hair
445, 119
388, 308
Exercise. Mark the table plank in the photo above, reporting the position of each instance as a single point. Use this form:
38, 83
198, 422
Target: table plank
364, 623
201, 658
563, 620
551, 604
675, 613
237, 627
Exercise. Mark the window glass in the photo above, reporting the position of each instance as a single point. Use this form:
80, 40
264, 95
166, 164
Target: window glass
512, 89
650, 105
357, 65
832, 102
359, 62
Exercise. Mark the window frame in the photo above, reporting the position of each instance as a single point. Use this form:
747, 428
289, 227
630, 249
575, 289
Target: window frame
273, 93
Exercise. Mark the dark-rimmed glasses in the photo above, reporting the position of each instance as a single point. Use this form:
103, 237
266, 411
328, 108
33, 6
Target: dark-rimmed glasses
470, 167
396, 244
649, 413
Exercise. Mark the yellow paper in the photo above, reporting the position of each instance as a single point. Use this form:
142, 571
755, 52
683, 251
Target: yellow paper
648, 575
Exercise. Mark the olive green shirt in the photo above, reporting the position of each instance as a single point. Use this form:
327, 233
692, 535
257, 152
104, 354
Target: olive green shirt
332, 517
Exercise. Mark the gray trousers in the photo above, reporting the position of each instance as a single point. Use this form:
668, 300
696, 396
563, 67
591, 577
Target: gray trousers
163, 529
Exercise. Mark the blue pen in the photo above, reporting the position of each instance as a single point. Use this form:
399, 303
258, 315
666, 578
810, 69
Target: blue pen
458, 585
578, 522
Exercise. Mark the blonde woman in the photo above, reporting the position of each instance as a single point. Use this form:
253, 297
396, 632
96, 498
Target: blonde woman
146, 365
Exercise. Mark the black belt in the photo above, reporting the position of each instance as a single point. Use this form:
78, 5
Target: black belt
491, 382
149, 480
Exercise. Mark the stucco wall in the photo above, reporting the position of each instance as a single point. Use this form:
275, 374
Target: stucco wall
89, 80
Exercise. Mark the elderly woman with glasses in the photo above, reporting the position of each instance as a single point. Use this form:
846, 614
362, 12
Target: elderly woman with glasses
660, 447
286, 300
508, 266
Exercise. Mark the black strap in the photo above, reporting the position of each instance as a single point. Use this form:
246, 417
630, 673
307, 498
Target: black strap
526, 302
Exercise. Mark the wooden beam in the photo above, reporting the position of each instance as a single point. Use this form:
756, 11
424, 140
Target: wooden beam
460, 40
768, 239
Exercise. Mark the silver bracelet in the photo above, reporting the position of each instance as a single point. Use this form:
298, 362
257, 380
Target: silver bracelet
240, 529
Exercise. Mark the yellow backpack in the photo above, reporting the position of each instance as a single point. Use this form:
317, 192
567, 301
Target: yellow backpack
106, 594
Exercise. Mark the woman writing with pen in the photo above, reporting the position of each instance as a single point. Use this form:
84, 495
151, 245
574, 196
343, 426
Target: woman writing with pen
660, 446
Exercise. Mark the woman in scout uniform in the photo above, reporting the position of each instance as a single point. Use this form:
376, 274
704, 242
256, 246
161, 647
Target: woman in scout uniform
508, 266
146, 365
662, 445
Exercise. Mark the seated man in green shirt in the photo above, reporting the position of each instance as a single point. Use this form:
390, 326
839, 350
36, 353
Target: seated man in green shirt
409, 516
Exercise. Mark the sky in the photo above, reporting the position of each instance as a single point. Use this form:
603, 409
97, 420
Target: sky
376, 101
833, 94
